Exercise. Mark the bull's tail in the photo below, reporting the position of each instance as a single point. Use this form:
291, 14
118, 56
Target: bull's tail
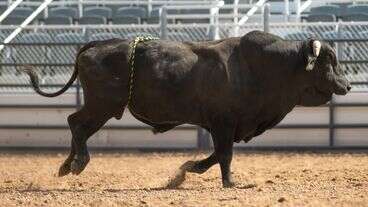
35, 80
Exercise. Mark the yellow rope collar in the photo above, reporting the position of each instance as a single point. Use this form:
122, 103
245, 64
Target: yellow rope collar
132, 47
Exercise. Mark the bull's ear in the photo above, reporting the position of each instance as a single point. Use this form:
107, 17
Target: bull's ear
311, 49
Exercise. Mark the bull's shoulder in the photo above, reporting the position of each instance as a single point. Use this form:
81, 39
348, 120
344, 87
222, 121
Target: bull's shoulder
168, 55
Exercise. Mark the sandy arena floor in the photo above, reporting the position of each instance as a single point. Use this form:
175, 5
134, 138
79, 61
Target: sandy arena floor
137, 179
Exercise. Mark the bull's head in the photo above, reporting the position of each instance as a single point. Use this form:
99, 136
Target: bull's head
323, 73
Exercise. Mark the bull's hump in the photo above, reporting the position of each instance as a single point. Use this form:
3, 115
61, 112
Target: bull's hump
172, 56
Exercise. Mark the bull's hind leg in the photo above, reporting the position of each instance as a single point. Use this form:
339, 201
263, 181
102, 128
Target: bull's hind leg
84, 124
200, 166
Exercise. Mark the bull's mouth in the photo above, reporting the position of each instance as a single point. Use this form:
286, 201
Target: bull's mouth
326, 94
341, 86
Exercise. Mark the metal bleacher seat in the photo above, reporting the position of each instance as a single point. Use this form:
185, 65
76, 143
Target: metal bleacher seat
355, 17
178, 36
357, 8
3, 8
125, 20
13, 20
21, 12
105, 12
92, 20
64, 11
327, 9
17, 16
153, 20
300, 36
154, 17
138, 12
320, 18
193, 13
102, 36
58, 20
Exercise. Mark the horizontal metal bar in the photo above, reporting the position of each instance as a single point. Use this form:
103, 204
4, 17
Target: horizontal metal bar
126, 127
38, 64
353, 61
28, 85
145, 127
357, 104
38, 106
320, 126
61, 85
238, 149
45, 44
346, 40
365, 104
310, 148
359, 83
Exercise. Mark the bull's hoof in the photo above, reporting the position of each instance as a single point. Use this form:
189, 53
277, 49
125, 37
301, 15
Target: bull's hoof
64, 169
228, 184
78, 164
193, 167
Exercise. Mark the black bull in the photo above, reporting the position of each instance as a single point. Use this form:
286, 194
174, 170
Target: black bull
236, 88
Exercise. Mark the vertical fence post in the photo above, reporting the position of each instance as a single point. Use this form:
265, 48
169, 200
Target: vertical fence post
203, 139
78, 102
163, 23
80, 8
286, 10
339, 45
331, 125
266, 18
298, 9
149, 6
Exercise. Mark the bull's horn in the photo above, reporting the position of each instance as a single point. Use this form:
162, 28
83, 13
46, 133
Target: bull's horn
316, 48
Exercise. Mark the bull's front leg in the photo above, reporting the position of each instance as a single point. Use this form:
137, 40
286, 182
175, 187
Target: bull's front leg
223, 138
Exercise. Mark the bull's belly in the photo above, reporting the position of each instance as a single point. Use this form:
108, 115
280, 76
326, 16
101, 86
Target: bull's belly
161, 113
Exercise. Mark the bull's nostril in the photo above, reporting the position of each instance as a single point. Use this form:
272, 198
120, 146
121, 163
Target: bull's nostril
349, 88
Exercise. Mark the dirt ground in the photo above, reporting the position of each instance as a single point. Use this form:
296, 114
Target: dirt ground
138, 179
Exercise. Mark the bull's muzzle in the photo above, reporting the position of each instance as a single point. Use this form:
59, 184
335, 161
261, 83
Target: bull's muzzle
342, 86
